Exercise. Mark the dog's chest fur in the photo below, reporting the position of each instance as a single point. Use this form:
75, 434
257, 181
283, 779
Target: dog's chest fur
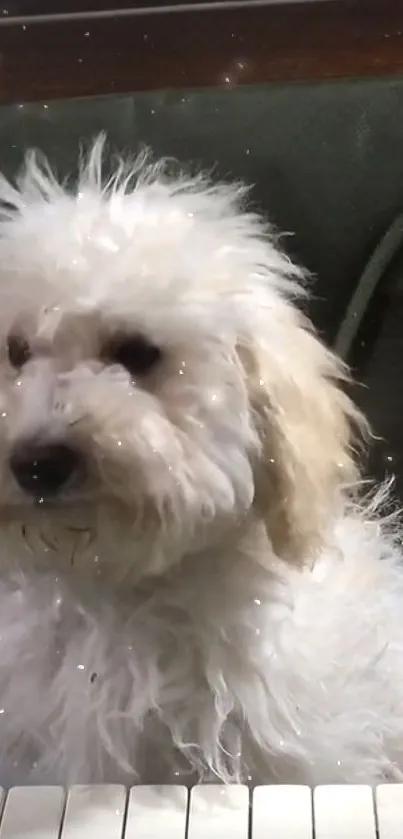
96, 687
222, 669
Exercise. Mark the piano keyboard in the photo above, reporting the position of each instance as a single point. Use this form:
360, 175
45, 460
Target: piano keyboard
206, 812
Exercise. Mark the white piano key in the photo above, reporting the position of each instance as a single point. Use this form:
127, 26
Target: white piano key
389, 811
344, 812
32, 812
218, 812
94, 812
157, 812
282, 811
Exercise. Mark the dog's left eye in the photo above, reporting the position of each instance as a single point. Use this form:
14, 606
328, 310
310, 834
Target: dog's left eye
136, 354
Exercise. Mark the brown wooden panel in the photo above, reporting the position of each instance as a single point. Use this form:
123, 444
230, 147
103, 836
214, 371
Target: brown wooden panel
244, 45
33, 8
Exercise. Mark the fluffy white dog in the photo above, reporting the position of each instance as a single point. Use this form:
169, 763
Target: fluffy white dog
190, 585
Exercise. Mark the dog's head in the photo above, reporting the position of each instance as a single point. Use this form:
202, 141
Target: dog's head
156, 377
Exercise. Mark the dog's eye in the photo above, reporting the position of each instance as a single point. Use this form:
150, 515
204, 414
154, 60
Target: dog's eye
18, 351
137, 355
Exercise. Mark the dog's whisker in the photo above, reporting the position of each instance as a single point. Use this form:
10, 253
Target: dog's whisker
51, 545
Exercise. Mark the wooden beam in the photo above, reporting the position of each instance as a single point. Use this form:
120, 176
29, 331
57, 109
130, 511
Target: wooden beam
196, 46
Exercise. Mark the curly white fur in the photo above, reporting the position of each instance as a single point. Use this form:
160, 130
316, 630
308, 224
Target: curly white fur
212, 600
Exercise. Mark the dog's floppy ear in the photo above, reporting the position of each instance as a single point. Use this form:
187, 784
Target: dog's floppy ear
307, 428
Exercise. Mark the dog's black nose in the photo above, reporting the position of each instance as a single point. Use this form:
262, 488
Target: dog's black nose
44, 470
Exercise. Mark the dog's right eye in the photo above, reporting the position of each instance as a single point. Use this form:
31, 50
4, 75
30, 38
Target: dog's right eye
18, 351
136, 354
